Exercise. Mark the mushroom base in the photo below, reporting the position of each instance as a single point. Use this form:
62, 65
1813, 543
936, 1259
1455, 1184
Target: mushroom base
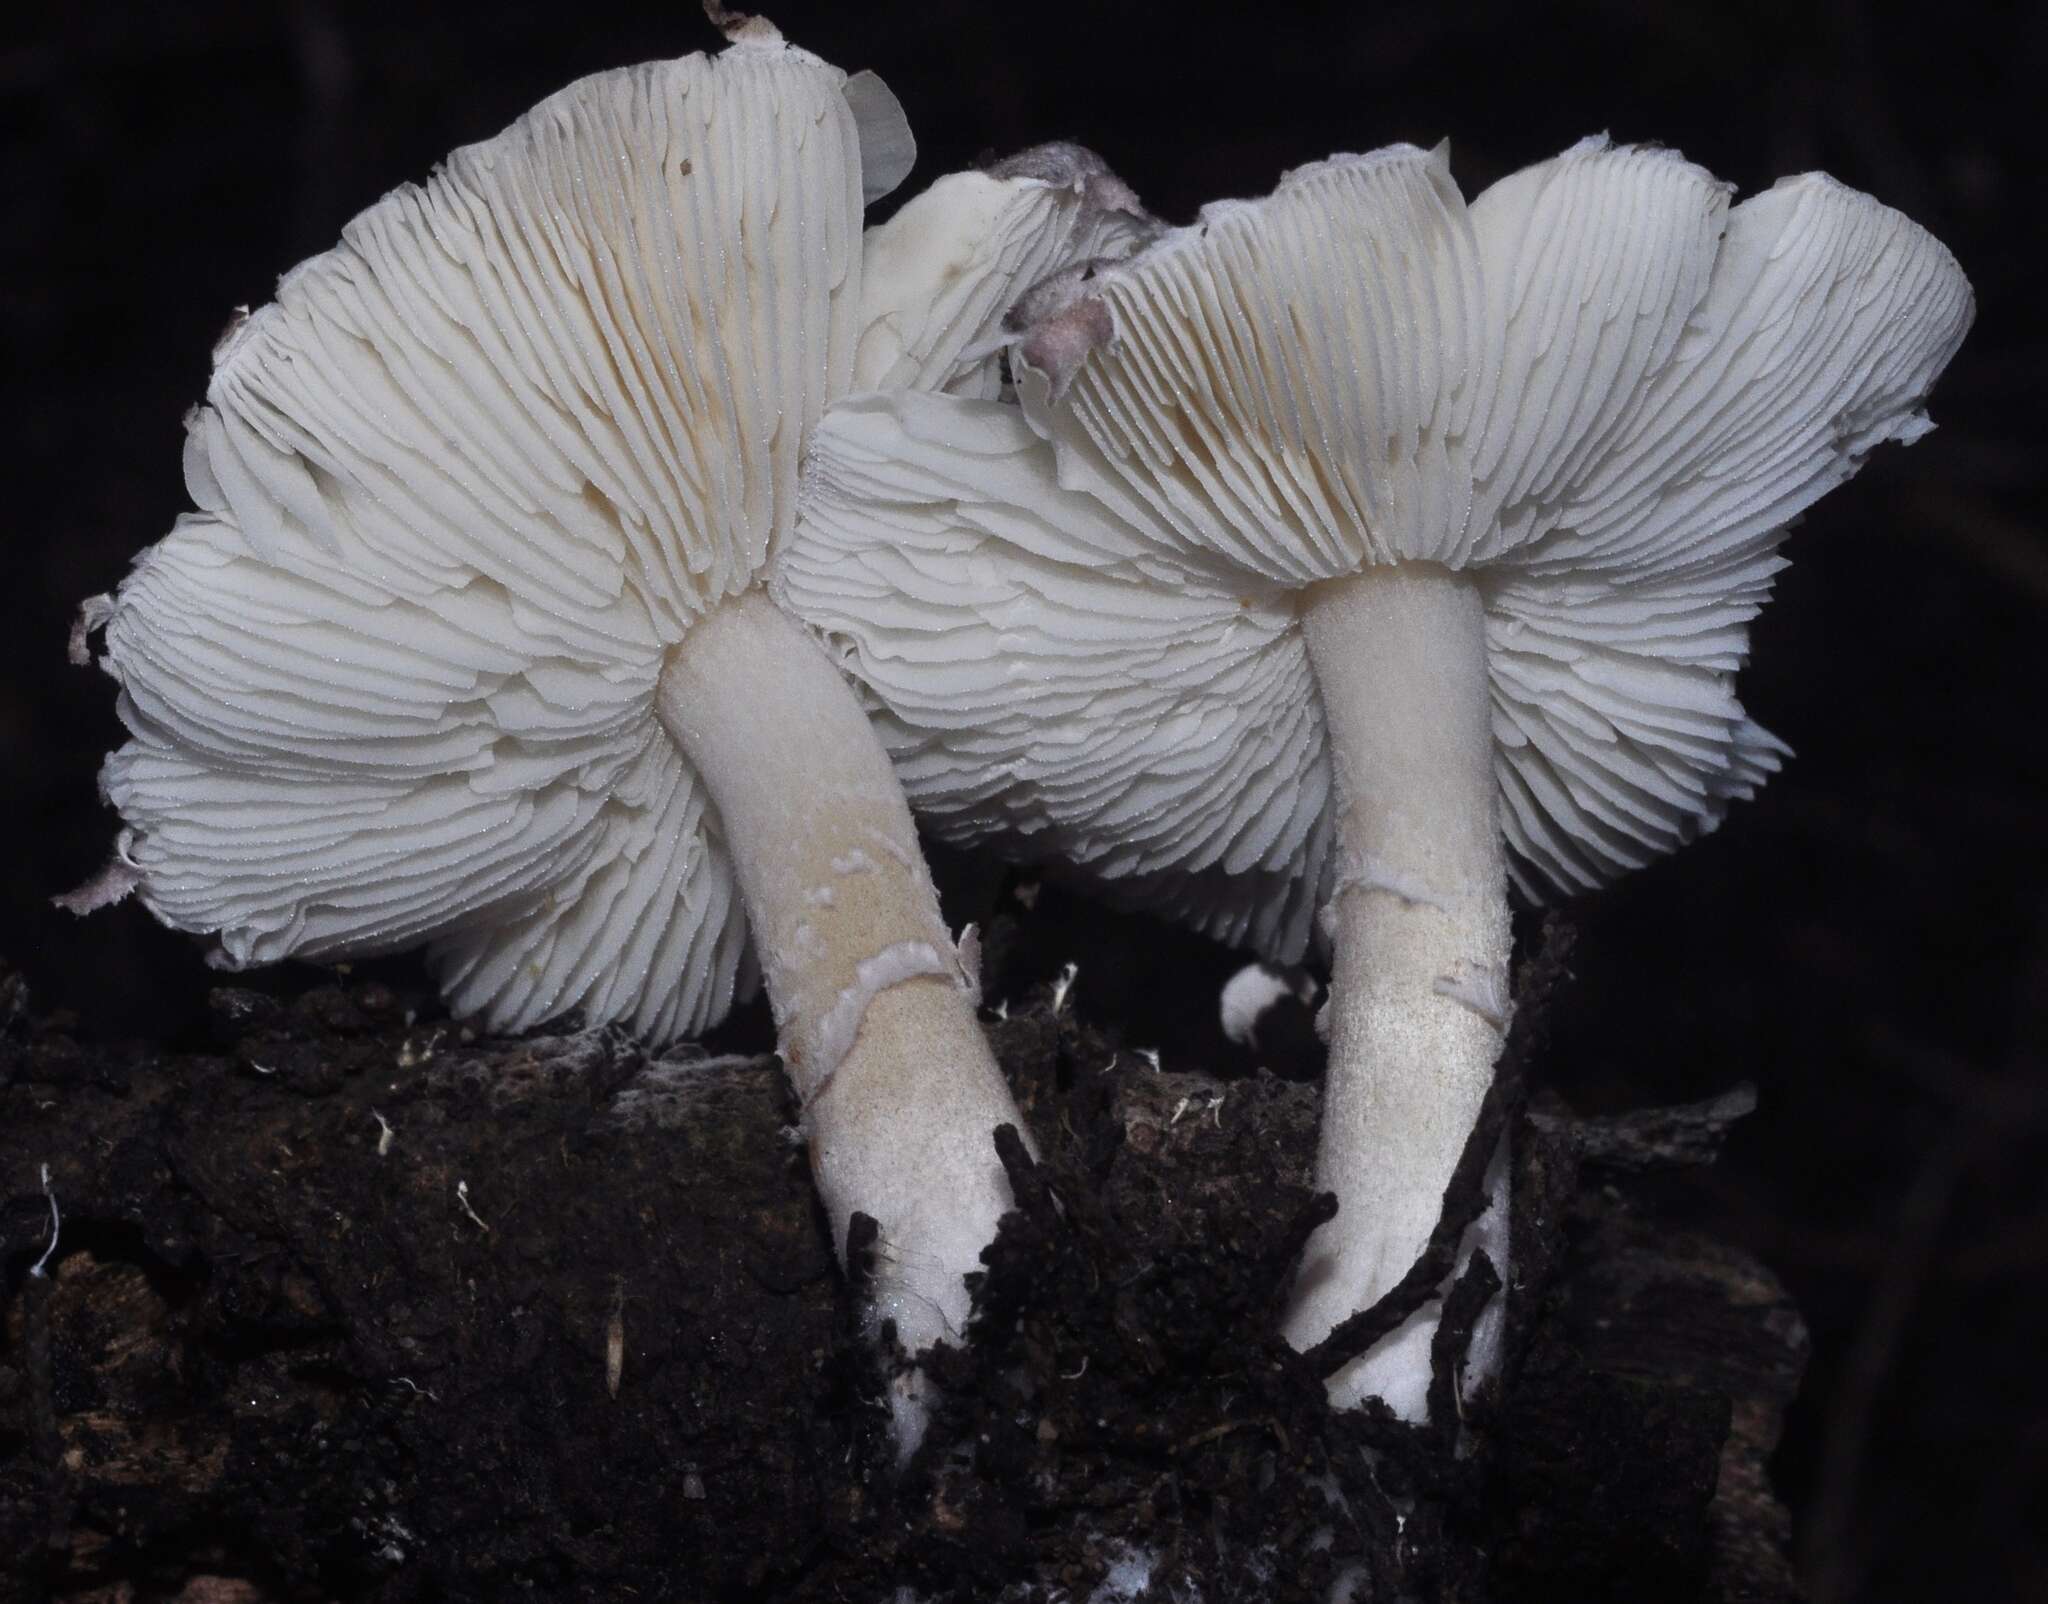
1419, 925
873, 1007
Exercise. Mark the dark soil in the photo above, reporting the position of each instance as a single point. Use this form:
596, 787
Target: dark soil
353, 1306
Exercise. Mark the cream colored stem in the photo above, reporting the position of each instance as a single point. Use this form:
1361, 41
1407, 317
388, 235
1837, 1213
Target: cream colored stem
875, 1018
1418, 992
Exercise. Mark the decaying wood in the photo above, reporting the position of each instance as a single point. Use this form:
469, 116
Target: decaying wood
355, 1307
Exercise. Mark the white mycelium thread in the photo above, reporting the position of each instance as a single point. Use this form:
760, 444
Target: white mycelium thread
1584, 407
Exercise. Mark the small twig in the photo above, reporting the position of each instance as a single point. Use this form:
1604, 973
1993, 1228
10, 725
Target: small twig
1313, 1215
863, 1233
1452, 1344
1027, 1184
1681, 1136
1466, 1196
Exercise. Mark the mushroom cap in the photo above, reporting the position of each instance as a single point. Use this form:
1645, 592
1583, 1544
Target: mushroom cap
460, 488
1599, 389
1043, 684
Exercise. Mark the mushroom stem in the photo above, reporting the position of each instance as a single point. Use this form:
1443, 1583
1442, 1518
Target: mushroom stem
1419, 925
874, 1012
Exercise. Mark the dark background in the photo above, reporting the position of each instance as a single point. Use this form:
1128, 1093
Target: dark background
1868, 941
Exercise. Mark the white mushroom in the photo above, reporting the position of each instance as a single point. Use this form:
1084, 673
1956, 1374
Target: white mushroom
1353, 549
468, 645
